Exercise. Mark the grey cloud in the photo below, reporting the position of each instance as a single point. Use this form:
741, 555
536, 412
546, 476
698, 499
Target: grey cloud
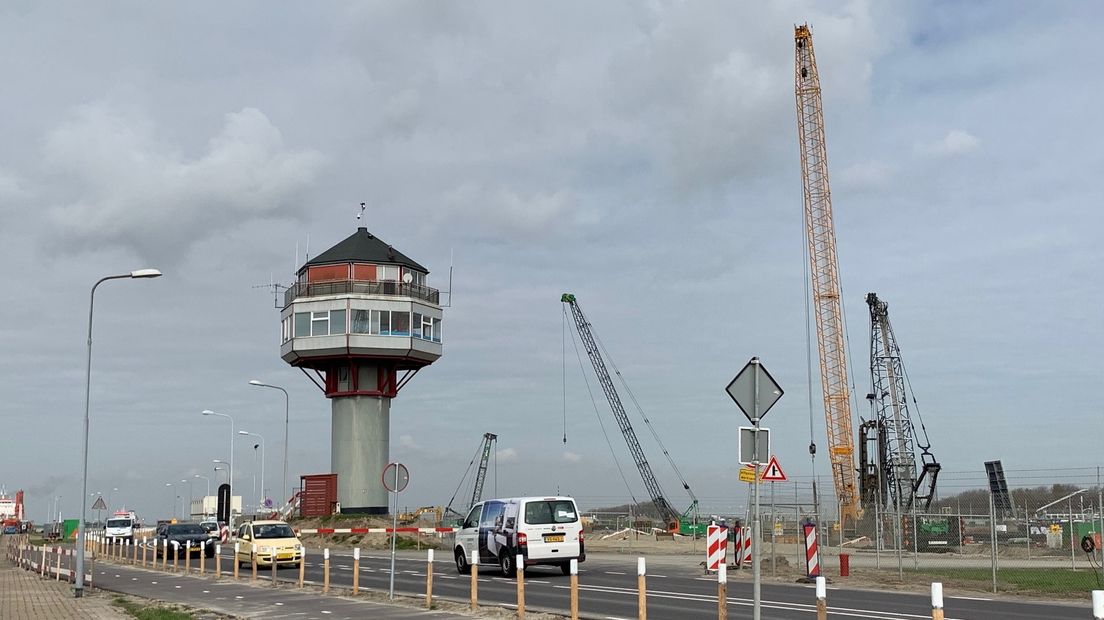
129, 188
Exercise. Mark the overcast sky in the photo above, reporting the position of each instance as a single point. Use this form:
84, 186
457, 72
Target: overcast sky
643, 156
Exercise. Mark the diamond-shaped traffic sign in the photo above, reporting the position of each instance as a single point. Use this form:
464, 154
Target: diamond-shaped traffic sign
754, 390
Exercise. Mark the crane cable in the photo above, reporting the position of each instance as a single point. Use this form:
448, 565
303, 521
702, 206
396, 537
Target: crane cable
594, 403
640, 410
465, 476
563, 371
926, 446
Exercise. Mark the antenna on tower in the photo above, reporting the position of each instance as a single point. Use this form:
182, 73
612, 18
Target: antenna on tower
452, 254
362, 207
275, 287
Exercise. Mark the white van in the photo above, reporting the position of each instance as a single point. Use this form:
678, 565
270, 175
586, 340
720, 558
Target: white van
543, 530
121, 526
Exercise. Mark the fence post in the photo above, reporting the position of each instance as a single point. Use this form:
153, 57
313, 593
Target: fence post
722, 589
519, 568
574, 589
1098, 604
937, 600
42, 566
475, 579
822, 599
429, 580
326, 571
642, 593
356, 571
58, 550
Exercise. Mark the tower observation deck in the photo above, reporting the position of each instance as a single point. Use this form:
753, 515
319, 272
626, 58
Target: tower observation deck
360, 322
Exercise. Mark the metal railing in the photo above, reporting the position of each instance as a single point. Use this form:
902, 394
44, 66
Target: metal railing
364, 287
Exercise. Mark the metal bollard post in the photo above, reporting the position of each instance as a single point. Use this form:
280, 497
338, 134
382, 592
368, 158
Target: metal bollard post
722, 591
1098, 604
144, 549
937, 600
519, 568
237, 561
822, 599
272, 553
253, 557
642, 592
574, 589
203, 558
176, 556
218, 561
429, 580
187, 557
302, 564
356, 571
165, 555
326, 571
475, 579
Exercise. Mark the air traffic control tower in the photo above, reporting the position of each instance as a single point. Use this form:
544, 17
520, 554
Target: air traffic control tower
360, 322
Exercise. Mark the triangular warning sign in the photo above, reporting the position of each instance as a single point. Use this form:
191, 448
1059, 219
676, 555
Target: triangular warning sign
99, 505
774, 472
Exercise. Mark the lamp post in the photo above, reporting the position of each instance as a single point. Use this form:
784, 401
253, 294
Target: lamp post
78, 586
230, 474
262, 463
208, 483
287, 401
217, 468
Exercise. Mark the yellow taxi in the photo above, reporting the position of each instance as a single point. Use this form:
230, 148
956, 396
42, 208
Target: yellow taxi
268, 541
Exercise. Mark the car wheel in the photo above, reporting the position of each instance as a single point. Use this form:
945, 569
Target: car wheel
462, 565
507, 563
566, 568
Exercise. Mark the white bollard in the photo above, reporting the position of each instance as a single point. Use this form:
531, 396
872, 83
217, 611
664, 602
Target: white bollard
937, 600
1098, 604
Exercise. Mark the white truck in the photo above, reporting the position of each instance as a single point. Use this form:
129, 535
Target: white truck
121, 526
543, 530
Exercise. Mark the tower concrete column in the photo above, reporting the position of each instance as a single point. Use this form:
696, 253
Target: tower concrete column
360, 444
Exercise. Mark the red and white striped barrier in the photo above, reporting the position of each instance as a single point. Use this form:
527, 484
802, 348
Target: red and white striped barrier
738, 545
745, 554
377, 530
716, 547
812, 555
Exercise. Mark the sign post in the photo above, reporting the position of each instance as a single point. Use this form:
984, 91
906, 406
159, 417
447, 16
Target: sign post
754, 391
395, 479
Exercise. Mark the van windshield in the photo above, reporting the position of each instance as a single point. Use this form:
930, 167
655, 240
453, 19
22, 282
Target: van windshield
118, 523
550, 511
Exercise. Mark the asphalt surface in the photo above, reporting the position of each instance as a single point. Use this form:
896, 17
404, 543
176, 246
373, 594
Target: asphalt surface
608, 590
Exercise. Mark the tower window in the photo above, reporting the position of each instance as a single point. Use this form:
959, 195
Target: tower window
302, 324
337, 322
320, 323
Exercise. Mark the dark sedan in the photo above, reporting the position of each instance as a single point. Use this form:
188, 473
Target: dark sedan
182, 534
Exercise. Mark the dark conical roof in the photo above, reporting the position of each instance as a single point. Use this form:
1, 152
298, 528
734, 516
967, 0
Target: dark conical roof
364, 247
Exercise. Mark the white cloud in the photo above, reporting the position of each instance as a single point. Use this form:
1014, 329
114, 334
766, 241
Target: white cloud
572, 457
507, 455
128, 187
866, 175
956, 142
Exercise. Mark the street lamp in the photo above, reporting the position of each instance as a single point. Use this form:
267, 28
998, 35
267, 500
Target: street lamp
284, 490
262, 461
230, 474
208, 484
78, 586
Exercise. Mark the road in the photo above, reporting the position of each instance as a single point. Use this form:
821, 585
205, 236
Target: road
608, 590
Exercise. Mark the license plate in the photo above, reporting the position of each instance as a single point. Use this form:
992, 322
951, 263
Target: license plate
553, 538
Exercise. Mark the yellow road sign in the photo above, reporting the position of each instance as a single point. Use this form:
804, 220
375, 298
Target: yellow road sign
747, 475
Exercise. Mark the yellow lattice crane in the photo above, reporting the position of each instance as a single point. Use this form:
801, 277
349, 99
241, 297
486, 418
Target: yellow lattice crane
824, 269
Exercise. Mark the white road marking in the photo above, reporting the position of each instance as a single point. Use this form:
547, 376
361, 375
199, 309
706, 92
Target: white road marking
610, 572
971, 598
